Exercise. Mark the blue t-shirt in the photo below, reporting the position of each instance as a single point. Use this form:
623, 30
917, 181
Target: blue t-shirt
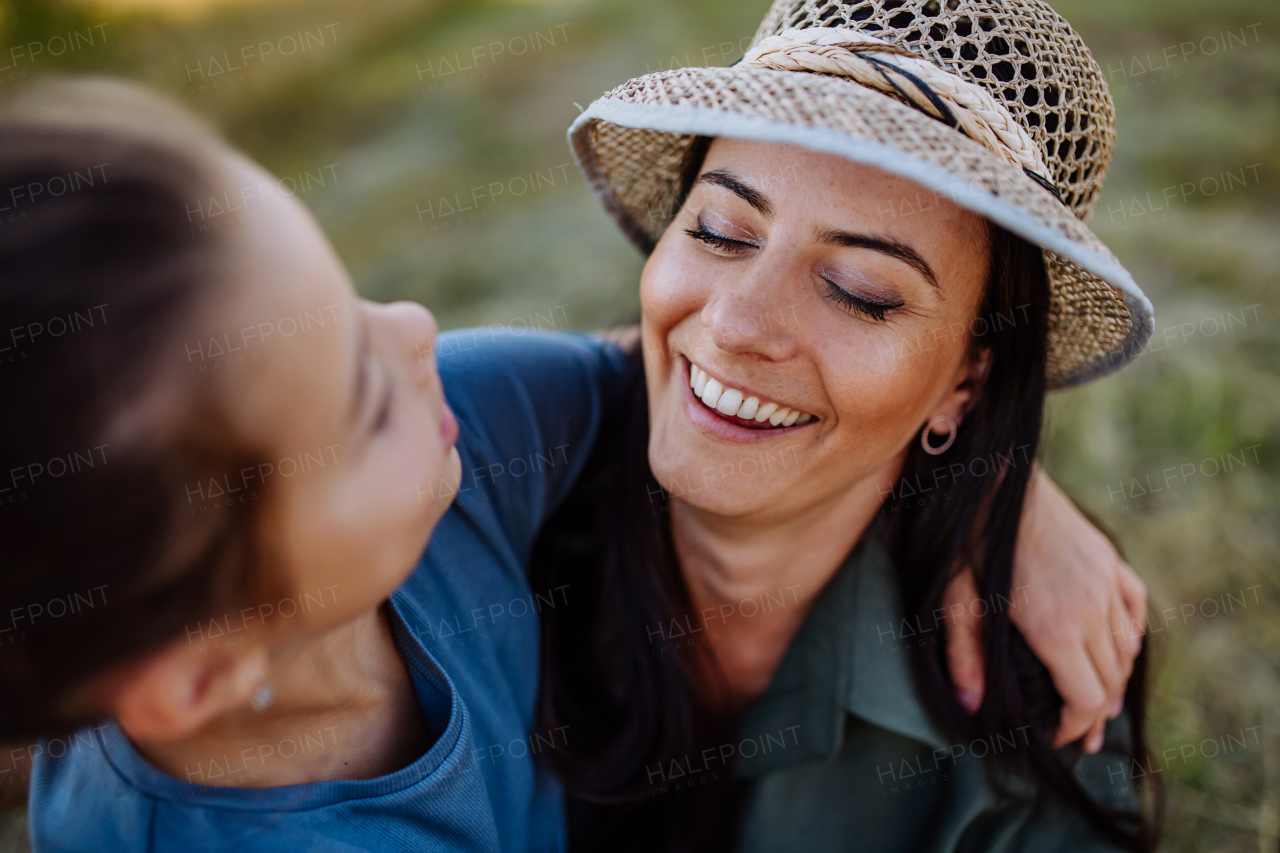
529, 408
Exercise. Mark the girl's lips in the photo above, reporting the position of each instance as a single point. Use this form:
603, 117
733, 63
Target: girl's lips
448, 426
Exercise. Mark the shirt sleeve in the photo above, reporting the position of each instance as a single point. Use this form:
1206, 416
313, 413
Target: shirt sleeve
529, 409
1047, 824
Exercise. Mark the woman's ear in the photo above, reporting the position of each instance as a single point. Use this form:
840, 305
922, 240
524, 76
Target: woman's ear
966, 386
178, 690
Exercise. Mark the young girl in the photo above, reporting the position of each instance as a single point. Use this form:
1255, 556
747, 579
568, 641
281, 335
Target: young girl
222, 470
220, 627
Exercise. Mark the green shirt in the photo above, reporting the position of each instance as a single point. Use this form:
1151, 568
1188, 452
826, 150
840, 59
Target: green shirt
841, 754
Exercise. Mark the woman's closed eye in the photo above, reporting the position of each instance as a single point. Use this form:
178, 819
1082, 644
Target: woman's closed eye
730, 247
871, 309
719, 243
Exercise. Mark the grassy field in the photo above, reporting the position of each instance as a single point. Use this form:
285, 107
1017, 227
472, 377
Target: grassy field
396, 112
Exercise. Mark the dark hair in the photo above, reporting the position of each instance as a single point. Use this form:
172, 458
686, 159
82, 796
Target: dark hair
976, 524
628, 709
100, 271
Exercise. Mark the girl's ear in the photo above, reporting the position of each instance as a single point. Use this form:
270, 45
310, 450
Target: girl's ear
180, 689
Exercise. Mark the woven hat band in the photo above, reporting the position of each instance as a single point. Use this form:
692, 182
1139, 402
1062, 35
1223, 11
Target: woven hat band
918, 82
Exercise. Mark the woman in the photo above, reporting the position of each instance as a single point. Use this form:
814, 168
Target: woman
867, 264
231, 600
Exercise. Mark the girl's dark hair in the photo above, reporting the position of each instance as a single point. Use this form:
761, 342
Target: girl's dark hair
101, 267
630, 709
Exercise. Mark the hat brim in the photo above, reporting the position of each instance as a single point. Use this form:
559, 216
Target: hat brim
632, 147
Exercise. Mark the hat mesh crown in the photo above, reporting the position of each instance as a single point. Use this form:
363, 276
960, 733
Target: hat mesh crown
1021, 51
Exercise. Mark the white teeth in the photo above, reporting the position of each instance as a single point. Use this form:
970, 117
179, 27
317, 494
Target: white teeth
729, 401
711, 394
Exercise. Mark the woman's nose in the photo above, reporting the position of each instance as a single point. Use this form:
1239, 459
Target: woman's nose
752, 315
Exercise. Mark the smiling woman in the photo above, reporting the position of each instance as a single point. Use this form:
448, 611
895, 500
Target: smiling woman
787, 252
778, 231
848, 296
794, 181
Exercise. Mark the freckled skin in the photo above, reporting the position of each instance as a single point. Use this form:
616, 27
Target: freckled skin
764, 317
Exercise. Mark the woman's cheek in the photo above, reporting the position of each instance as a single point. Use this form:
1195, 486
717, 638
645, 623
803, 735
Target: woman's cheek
889, 351
883, 370
879, 399
671, 287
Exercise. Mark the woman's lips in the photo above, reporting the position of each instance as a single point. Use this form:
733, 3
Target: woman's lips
733, 402
726, 427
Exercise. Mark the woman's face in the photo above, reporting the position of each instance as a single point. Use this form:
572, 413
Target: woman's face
342, 401
828, 288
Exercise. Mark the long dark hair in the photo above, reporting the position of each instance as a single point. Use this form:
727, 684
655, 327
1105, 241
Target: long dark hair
976, 524
100, 271
629, 709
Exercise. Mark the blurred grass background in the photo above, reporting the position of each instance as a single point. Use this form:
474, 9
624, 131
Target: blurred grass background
377, 133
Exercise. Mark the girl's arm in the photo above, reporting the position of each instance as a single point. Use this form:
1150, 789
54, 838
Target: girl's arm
1081, 608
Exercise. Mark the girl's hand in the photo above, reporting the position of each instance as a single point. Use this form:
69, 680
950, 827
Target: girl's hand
1079, 606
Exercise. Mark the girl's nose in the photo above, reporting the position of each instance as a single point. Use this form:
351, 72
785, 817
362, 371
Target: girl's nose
414, 328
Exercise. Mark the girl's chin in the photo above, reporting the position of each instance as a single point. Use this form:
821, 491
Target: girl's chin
444, 486
451, 477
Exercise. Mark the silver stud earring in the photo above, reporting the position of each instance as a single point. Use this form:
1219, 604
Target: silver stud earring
262, 697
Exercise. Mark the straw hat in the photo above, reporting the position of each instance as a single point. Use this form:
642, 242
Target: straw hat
995, 104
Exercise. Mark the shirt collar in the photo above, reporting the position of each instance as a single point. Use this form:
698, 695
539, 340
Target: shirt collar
847, 658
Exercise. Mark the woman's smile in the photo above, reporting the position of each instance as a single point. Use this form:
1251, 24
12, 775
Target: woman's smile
731, 414
752, 410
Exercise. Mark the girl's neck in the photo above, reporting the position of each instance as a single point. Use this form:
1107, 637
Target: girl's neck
344, 707
737, 569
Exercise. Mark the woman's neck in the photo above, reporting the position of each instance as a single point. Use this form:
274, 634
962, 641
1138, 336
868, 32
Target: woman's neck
344, 708
736, 570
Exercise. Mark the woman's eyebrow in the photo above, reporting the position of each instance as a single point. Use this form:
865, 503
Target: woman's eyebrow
900, 251
731, 182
